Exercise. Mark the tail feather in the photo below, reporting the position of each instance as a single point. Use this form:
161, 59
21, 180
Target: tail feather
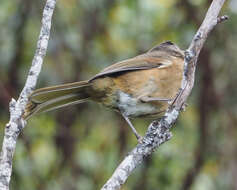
50, 98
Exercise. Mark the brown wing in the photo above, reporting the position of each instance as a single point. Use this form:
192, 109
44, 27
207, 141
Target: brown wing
159, 56
140, 62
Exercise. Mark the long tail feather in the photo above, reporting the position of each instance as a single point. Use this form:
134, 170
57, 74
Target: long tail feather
50, 98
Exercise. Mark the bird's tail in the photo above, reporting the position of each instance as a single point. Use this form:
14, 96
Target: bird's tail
50, 98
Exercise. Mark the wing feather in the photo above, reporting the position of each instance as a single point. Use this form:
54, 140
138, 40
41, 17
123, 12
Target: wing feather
140, 62
159, 56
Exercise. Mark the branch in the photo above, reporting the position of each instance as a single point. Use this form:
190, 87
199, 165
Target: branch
207, 95
159, 132
16, 123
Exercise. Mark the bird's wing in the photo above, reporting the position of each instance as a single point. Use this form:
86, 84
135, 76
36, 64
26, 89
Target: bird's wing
140, 62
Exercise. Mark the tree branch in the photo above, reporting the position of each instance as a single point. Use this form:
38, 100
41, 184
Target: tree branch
16, 123
159, 132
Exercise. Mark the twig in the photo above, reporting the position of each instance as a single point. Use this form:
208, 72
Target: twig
158, 132
16, 123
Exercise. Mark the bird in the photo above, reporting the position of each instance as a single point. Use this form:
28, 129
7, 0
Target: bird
142, 86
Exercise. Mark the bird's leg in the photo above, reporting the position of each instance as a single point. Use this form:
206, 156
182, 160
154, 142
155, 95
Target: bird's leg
152, 99
139, 137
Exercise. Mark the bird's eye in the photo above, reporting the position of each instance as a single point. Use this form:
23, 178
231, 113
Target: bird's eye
168, 43
159, 64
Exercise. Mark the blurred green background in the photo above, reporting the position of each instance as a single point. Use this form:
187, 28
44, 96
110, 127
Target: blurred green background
78, 148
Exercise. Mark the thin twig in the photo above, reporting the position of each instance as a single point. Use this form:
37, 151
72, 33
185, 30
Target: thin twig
16, 123
159, 132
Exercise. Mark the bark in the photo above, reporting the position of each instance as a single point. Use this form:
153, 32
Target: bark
159, 132
16, 123
206, 99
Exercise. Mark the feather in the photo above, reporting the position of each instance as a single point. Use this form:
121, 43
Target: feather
157, 57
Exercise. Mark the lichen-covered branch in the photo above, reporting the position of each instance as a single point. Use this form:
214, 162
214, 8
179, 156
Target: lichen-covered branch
159, 132
16, 123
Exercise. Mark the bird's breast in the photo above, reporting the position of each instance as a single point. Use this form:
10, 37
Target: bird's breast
133, 107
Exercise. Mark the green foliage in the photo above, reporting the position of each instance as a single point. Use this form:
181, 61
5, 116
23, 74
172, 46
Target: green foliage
79, 147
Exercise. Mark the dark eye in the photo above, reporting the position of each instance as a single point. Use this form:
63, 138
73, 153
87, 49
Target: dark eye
168, 43
159, 64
